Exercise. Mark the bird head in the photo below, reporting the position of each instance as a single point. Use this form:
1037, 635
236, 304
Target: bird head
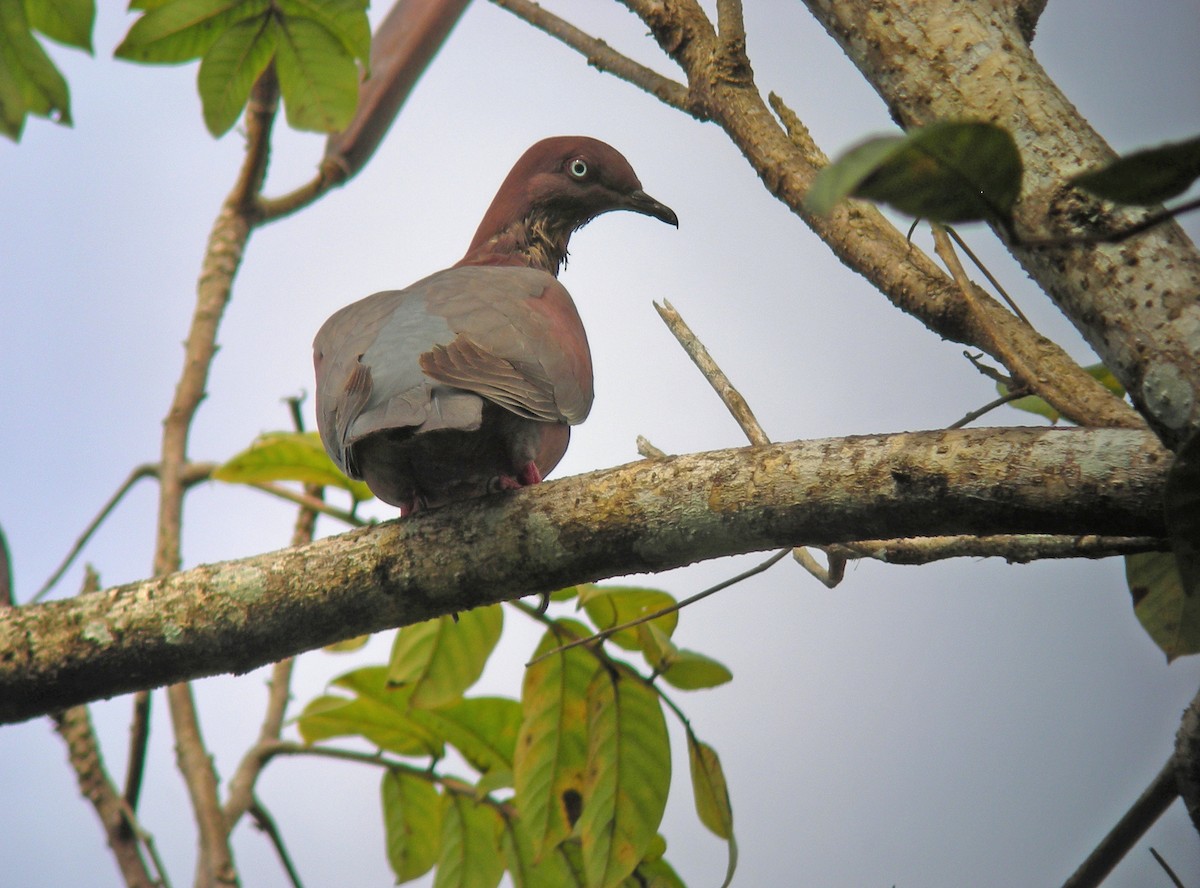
555, 188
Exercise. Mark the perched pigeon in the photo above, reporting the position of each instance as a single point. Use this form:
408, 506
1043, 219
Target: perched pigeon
468, 381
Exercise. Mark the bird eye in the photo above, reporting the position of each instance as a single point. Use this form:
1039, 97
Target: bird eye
578, 168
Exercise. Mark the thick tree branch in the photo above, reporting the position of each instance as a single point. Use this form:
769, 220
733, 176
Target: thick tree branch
647, 516
1138, 302
721, 88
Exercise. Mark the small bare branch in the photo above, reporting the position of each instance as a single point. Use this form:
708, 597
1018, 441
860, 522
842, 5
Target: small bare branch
648, 450
265, 822
139, 739
601, 56
1015, 549
991, 279
662, 612
1175, 880
730, 396
988, 408
829, 576
74, 725
1142, 815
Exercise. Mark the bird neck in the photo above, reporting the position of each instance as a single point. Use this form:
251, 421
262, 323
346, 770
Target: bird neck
538, 240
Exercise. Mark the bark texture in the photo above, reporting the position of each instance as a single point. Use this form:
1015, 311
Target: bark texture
647, 516
1137, 302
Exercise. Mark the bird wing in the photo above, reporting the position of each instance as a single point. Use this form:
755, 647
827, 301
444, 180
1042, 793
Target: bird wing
423, 358
518, 341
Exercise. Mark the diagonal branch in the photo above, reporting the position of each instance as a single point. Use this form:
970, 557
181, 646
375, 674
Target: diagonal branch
721, 88
601, 56
651, 515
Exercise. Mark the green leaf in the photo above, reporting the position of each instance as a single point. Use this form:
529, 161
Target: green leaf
344, 19
483, 729
553, 870
1181, 502
1145, 178
953, 171
839, 179
182, 30
229, 69
1171, 618
412, 822
441, 658
548, 766
470, 855
1034, 404
317, 76
69, 22
376, 713
709, 788
627, 778
29, 82
691, 671
656, 873
609, 606
347, 645
289, 456
684, 669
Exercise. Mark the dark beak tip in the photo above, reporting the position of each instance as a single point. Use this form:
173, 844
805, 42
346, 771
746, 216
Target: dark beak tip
641, 202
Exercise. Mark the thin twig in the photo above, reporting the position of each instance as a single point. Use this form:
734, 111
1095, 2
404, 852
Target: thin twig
265, 822
139, 739
193, 474
1167, 868
308, 501
729, 395
1150, 805
601, 56
988, 408
829, 576
662, 612
380, 760
241, 787
962, 245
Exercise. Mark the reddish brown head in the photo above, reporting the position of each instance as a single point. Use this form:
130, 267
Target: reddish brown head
557, 186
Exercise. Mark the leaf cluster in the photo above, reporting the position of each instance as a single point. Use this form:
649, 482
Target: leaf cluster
30, 83
319, 50
565, 786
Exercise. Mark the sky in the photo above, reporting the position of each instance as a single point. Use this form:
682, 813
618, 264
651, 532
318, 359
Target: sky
969, 722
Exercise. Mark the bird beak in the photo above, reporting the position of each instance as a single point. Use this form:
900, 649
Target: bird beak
640, 202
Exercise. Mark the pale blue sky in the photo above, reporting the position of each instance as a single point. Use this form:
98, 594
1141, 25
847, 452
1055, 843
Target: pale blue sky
969, 723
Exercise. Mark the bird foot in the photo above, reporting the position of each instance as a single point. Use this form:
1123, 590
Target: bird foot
527, 476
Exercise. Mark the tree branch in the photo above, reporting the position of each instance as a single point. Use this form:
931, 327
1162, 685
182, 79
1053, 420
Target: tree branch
651, 515
1150, 805
601, 56
1135, 303
75, 727
721, 88
222, 257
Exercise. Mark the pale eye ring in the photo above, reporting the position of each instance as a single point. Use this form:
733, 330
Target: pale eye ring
578, 168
